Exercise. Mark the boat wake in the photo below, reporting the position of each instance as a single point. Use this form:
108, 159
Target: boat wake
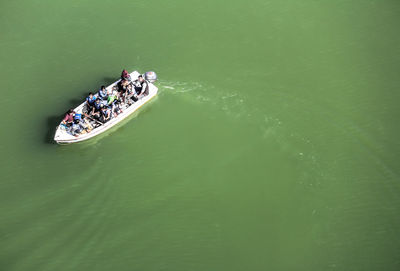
227, 100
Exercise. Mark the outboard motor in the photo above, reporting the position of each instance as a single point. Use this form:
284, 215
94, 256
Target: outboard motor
150, 76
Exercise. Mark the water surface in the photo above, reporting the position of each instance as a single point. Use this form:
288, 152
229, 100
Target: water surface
272, 144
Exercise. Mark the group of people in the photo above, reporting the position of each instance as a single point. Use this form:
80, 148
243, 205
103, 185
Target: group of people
76, 124
106, 104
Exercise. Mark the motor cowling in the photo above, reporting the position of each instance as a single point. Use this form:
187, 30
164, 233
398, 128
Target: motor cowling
150, 76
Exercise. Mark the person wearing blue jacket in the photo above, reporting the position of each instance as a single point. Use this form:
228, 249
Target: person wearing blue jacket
103, 93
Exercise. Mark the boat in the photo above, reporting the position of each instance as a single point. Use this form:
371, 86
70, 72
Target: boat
62, 135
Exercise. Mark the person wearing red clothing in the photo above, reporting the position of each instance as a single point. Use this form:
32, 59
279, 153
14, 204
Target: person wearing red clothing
69, 118
125, 75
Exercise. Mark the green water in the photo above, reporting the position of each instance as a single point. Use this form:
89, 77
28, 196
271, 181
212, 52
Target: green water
272, 145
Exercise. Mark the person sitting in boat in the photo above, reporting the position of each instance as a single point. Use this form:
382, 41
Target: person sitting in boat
114, 103
115, 93
122, 89
83, 122
90, 100
76, 128
125, 75
105, 114
141, 86
96, 110
116, 109
103, 93
77, 116
122, 85
69, 118
130, 95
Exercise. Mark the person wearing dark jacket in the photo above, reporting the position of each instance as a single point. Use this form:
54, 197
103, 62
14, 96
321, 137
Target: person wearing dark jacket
141, 86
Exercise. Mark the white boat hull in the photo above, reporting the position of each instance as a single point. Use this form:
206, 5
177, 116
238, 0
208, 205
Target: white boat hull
63, 137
